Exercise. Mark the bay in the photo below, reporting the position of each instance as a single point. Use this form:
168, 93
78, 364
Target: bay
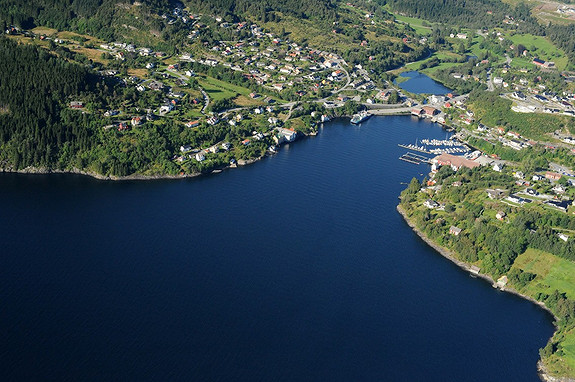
419, 83
296, 268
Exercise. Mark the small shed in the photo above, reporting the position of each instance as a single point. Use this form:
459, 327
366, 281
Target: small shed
474, 269
501, 282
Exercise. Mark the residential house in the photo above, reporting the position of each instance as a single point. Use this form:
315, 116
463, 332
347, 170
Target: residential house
517, 199
552, 175
562, 205
558, 189
431, 204
289, 135
498, 167
156, 85
166, 108
455, 231
213, 121
137, 121
495, 194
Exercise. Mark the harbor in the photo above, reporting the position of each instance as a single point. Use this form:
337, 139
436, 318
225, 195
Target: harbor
437, 146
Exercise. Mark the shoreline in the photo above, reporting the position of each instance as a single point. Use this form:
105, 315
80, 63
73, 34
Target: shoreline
450, 255
31, 170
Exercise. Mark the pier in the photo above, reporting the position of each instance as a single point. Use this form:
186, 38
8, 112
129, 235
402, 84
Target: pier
421, 149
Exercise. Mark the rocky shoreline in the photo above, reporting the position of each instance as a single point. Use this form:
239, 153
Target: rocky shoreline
450, 255
75, 171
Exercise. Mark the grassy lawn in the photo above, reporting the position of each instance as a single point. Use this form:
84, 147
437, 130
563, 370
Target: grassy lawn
416, 24
141, 73
218, 90
520, 63
542, 47
45, 30
552, 272
441, 55
247, 101
214, 83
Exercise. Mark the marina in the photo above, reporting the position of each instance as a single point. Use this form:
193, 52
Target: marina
448, 146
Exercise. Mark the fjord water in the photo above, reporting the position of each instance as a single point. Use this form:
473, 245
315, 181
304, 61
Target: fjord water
296, 268
419, 83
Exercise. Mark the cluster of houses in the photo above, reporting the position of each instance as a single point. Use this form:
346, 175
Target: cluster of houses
543, 101
277, 63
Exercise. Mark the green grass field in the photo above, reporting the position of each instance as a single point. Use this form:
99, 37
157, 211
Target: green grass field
541, 47
422, 27
218, 90
552, 273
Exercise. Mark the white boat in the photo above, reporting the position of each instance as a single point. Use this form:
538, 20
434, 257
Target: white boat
360, 117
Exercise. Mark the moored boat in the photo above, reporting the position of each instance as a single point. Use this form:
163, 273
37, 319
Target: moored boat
360, 117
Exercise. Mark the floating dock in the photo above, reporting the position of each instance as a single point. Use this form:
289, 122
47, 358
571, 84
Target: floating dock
414, 158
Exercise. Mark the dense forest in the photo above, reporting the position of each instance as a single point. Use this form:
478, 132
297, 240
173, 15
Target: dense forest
471, 13
34, 87
94, 17
260, 9
98, 17
38, 127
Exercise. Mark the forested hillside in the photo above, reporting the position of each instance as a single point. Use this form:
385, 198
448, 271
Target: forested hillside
473, 13
486, 13
34, 123
260, 9
101, 18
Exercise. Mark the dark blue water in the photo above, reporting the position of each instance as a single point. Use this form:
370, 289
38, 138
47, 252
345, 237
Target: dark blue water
419, 83
297, 268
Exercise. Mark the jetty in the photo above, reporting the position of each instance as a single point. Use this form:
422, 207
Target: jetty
421, 149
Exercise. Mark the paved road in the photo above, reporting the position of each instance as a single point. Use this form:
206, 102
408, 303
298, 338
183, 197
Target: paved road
391, 111
206, 100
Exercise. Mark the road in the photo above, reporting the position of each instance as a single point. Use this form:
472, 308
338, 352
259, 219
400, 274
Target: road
490, 85
187, 78
391, 111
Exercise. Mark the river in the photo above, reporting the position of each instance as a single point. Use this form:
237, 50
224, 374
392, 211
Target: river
295, 268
